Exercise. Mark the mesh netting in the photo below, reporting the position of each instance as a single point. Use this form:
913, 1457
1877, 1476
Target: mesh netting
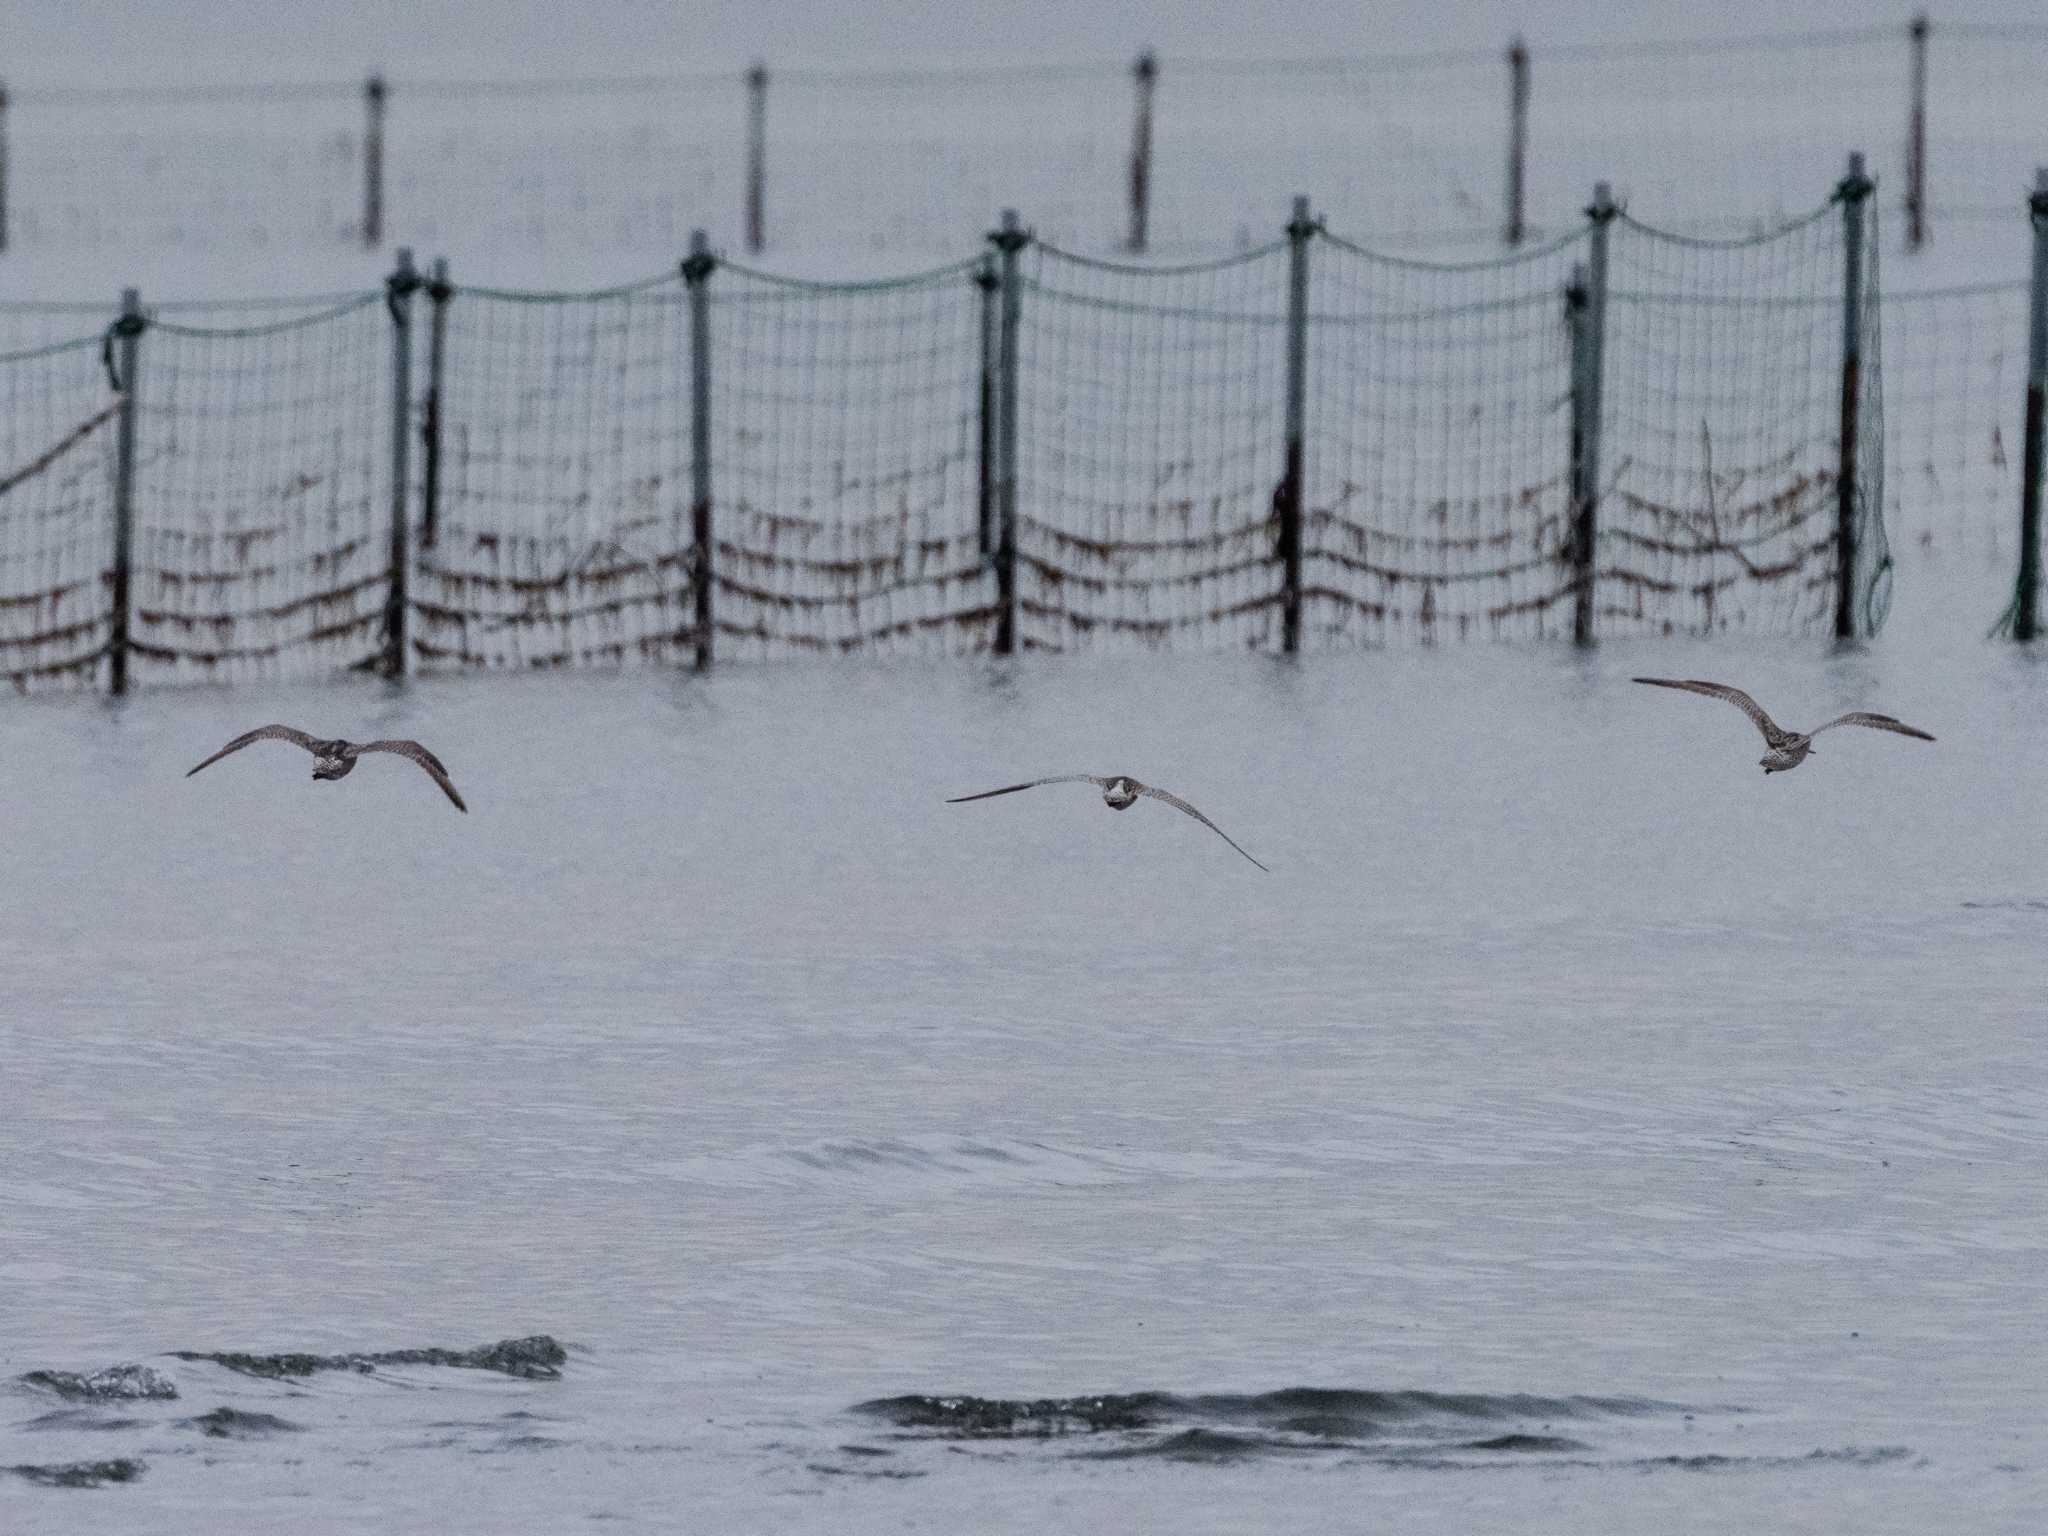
57, 438
1438, 448
1721, 436
845, 464
1149, 444
562, 534
1955, 378
262, 503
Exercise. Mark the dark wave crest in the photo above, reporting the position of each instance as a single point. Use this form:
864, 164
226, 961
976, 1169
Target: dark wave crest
81, 1474
537, 1357
240, 1424
115, 1384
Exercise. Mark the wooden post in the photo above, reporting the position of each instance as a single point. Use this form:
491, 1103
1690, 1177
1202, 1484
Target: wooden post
697, 270
1287, 502
3, 166
1009, 239
1916, 138
1586, 304
2034, 456
398, 291
1144, 72
757, 156
990, 284
1518, 138
373, 162
1854, 191
439, 291
128, 330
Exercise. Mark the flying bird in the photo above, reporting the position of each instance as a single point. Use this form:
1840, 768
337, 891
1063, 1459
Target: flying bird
1119, 793
335, 759
1788, 748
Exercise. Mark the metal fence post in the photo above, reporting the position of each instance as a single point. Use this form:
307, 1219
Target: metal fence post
990, 284
757, 156
128, 331
1144, 72
1009, 239
1916, 138
1586, 308
1854, 192
697, 270
439, 292
1287, 498
1518, 137
398, 291
2036, 450
373, 162
3, 166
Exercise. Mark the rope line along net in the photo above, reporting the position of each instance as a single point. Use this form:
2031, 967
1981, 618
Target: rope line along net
846, 430
1721, 435
1150, 438
261, 502
562, 532
56, 514
1438, 497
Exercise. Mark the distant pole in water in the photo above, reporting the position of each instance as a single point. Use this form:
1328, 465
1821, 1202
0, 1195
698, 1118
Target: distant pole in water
1287, 503
757, 157
3, 166
1916, 137
128, 332
2034, 457
1586, 309
986, 467
373, 162
697, 270
439, 291
399, 289
1518, 137
1854, 192
1145, 72
1009, 238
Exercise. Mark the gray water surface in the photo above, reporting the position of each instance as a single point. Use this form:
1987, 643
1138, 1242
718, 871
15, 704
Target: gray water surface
1607, 1137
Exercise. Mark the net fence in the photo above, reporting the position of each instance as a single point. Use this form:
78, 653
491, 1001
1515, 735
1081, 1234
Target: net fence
1150, 440
1438, 448
57, 437
1721, 436
852, 449
262, 492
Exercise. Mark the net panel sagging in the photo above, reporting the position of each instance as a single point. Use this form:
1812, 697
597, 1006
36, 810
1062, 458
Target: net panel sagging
1150, 441
1956, 374
262, 495
846, 424
57, 439
1437, 503
1721, 431
562, 532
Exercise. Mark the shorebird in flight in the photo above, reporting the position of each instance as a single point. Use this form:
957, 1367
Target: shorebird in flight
1119, 792
1788, 748
335, 759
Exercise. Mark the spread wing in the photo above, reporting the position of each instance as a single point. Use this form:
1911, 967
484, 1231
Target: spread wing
419, 754
261, 733
1181, 805
1011, 789
1742, 701
1875, 722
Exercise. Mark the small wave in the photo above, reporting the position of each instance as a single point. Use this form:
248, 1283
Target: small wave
1850, 1455
115, 1384
1203, 1447
240, 1424
80, 1418
81, 1474
537, 1357
1315, 1412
